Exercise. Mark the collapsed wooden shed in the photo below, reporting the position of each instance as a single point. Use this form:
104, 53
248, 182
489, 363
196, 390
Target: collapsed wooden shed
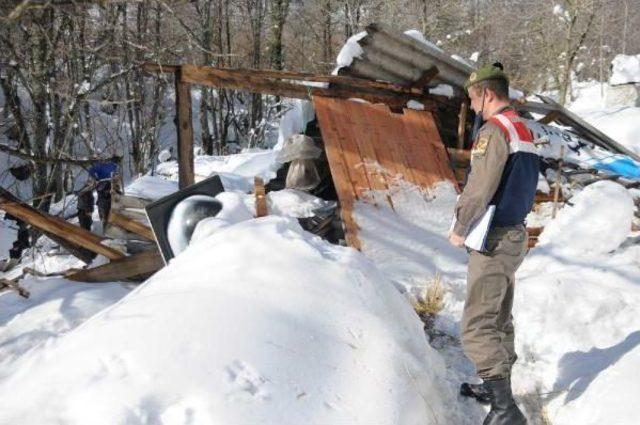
382, 118
365, 120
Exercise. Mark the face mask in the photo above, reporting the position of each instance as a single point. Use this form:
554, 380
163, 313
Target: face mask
479, 120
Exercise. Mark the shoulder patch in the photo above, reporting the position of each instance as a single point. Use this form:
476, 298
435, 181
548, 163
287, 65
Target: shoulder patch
480, 147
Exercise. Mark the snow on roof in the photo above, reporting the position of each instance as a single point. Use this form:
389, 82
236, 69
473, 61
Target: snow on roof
237, 330
350, 50
626, 69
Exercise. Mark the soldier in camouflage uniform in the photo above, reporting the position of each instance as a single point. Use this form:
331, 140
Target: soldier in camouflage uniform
504, 173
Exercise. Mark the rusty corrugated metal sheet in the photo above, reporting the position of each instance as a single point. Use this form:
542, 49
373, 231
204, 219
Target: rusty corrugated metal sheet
368, 146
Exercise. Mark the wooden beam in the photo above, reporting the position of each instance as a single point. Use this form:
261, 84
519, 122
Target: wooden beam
184, 123
268, 82
126, 268
131, 225
61, 228
77, 251
243, 74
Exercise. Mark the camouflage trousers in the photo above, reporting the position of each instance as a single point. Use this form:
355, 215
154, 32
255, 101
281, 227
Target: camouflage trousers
487, 323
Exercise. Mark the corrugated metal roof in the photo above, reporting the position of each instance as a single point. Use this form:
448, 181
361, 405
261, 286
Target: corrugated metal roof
401, 59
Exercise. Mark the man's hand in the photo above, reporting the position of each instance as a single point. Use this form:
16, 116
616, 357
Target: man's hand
457, 241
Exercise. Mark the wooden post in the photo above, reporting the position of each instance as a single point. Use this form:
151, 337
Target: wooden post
462, 123
184, 124
261, 198
556, 189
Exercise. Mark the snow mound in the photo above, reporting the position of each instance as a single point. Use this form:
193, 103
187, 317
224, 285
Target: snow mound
236, 171
237, 330
293, 203
625, 69
55, 307
151, 187
598, 221
577, 328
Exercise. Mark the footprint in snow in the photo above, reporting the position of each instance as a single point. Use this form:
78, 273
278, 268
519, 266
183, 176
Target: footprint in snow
245, 383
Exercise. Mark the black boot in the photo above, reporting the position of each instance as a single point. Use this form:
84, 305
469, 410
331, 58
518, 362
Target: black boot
480, 392
504, 410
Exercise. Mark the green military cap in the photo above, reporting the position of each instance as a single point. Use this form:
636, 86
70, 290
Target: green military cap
488, 72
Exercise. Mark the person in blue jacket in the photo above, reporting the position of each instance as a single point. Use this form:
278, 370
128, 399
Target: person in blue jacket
101, 174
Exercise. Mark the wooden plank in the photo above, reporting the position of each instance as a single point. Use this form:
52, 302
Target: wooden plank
348, 147
338, 169
438, 149
184, 123
78, 251
358, 129
131, 225
390, 142
62, 229
415, 144
196, 74
120, 270
275, 83
119, 202
260, 197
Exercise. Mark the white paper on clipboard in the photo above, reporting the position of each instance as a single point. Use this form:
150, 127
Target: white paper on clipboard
477, 236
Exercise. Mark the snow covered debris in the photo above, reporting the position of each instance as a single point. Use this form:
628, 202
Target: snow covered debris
597, 222
625, 69
151, 187
237, 171
294, 203
237, 330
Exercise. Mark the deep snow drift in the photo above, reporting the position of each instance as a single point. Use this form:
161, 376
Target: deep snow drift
236, 330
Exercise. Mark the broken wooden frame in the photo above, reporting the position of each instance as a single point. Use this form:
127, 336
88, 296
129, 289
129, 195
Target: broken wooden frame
280, 83
85, 245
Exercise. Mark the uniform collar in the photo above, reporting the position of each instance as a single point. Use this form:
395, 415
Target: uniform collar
503, 109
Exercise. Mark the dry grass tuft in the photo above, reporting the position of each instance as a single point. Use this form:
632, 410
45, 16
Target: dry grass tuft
430, 301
